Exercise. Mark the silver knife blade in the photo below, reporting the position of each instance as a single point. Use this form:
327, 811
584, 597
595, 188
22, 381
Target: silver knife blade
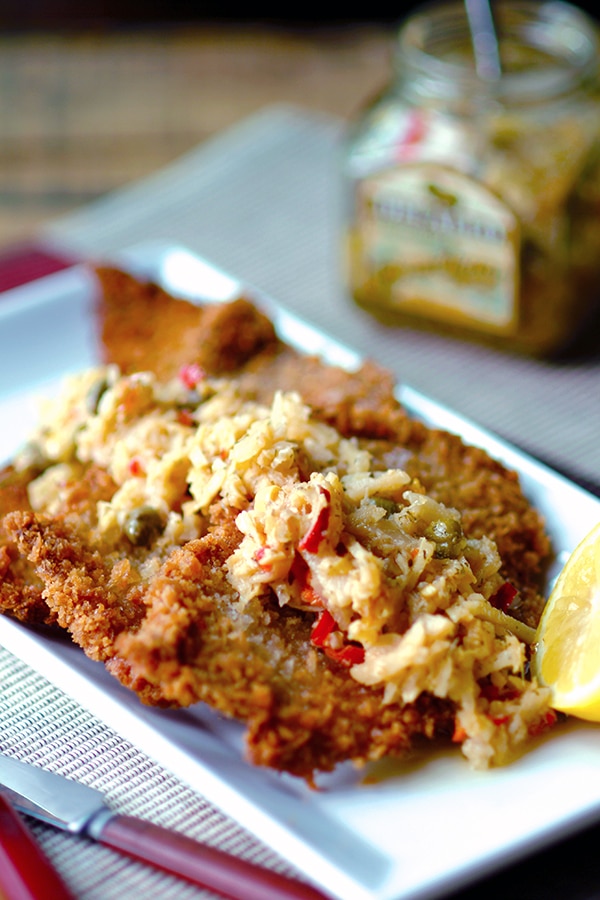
79, 809
52, 798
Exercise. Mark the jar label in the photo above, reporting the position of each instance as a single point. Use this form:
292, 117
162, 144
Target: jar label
438, 244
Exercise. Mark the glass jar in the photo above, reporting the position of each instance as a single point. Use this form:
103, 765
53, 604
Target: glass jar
473, 203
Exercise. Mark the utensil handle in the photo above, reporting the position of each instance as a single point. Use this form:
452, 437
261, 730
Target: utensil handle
25, 872
203, 865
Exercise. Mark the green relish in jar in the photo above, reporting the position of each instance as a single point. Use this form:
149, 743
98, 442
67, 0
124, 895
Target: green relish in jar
473, 204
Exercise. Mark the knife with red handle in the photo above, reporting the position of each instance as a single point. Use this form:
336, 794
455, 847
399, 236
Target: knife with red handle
80, 809
206, 866
25, 871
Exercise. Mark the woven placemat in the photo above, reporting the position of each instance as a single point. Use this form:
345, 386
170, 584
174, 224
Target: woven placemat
42, 725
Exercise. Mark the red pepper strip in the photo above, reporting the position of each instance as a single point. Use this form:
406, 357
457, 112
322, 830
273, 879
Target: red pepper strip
300, 573
500, 720
548, 720
313, 537
136, 468
322, 628
416, 128
191, 375
459, 734
184, 417
259, 557
348, 655
504, 597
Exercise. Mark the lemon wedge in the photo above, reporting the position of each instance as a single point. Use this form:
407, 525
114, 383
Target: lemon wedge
567, 655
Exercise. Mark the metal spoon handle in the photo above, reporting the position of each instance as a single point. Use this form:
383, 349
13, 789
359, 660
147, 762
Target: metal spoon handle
484, 39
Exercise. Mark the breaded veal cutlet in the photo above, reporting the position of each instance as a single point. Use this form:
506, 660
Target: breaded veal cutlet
171, 631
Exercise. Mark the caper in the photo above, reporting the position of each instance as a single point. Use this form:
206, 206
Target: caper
95, 394
32, 457
390, 506
448, 537
143, 525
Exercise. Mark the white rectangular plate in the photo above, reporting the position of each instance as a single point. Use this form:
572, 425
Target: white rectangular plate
410, 830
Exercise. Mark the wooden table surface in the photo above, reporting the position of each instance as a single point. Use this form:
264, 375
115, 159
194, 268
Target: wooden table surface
84, 113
